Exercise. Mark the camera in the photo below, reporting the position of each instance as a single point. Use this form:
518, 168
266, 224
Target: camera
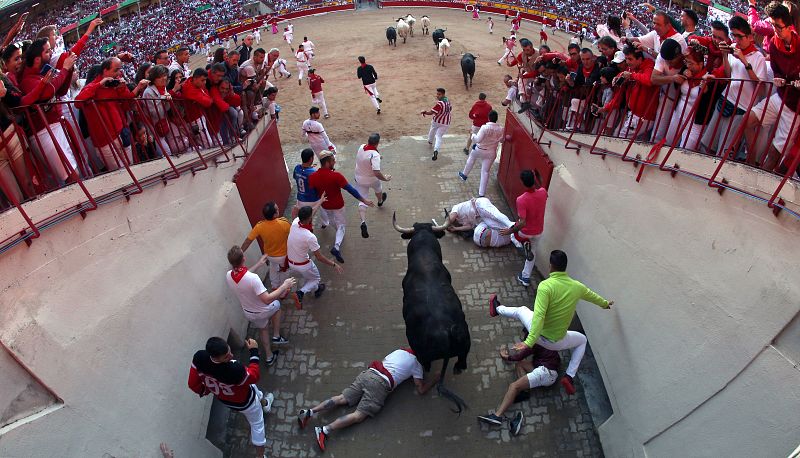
112, 83
619, 81
573, 75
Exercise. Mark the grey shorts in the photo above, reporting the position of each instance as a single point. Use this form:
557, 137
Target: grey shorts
369, 391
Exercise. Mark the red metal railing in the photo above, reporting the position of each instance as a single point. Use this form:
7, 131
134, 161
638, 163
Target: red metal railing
692, 119
45, 155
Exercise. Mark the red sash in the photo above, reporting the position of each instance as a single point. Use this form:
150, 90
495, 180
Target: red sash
378, 366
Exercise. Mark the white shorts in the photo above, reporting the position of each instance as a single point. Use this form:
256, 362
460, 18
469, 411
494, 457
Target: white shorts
363, 188
787, 116
541, 376
260, 319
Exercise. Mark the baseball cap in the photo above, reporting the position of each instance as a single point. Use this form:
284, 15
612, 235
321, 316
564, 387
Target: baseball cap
324, 154
619, 57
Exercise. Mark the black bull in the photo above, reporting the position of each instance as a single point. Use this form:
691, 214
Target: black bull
435, 323
468, 69
391, 35
437, 36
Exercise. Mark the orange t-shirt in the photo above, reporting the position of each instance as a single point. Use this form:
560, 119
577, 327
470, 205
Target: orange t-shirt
273, 234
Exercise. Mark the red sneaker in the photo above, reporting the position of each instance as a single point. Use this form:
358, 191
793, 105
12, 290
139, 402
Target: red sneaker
493, 304
566, 381
320, 437
302, 418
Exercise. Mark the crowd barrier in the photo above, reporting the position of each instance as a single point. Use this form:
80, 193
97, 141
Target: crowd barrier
49, 148
709, 117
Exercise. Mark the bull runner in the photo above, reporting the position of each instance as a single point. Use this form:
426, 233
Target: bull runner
368, 392
214, 371
552, 314
368, 76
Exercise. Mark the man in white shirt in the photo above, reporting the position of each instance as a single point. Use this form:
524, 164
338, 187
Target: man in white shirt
484, 148
666, 74
257, 35
650, 43
181, 62
511, 95
740, 62
368, 176
302, 63
288, 35
315, 133
259, 305
466, 216
369, 391
308, 45
301, 241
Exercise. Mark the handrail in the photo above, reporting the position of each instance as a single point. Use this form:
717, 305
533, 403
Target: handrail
56, 156
685, 122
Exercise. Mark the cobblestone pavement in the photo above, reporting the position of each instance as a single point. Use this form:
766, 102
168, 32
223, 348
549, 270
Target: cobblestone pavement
359, 319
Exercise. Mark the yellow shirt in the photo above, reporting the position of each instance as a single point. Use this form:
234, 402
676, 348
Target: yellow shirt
273, 234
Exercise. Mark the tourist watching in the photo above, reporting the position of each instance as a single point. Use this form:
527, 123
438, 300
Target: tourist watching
181, 61
195, 93
641, 96
106, 115
36, 57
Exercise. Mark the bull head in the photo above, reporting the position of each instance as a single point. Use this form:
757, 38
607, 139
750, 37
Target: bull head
438, 230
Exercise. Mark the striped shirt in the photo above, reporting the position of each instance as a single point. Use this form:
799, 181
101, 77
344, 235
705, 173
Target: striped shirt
441, 111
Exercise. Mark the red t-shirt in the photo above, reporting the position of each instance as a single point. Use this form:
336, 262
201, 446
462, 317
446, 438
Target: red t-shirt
331, 183
315, 83
531, 206
479, 114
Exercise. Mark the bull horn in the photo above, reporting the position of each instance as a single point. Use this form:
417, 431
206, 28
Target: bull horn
446, 223
402, 230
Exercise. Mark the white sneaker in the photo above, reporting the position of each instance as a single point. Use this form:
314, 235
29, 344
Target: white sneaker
269, 398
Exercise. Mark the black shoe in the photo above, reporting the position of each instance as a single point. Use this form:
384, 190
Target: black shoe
271, 361
364, 233
300, 295
379, 111
338, 255
435, 155
320, 290
303, 417
280, 340
492, 419
299, 82
383, 199
524, 107
516, 423
466, 151
379, 99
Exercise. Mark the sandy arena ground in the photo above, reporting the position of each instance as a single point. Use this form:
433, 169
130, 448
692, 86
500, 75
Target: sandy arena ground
408, 75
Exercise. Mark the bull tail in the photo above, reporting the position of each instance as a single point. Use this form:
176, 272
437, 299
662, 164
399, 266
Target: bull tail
446, 393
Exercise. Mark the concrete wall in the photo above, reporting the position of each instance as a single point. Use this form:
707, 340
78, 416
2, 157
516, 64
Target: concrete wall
699, 354
108, 311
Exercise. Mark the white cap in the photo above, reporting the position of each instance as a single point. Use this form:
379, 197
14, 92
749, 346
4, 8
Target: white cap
619, 57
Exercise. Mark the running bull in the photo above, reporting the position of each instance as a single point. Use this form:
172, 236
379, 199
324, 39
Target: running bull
435, 323
468, 69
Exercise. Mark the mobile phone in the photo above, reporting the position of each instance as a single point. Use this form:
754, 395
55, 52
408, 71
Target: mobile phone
112, 83
45, 69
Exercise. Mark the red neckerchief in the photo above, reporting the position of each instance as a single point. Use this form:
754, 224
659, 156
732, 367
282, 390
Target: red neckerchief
238, 273
310, 226
697, 79
363, 65
161, 90
750, 49
369, 147
670, 32
781, 46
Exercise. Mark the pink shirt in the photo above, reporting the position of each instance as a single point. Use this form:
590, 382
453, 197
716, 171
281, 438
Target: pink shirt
531, 206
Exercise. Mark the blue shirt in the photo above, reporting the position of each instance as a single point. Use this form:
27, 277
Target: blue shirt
305, 193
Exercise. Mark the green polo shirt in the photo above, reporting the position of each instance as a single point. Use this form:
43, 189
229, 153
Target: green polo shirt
554, 308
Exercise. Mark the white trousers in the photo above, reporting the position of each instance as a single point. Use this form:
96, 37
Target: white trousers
527, 268
491, 215
339, 218
280, 66
507, 53
437, 132
363, 189
310, 275
255, 416
373, 88
276, 277
51, 154
111, 160
573, 341
718, 138
663, 122
319, 99
487, 158
301, 67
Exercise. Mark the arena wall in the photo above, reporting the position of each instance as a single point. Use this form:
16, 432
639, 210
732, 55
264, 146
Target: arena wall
108, 311
700, 352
